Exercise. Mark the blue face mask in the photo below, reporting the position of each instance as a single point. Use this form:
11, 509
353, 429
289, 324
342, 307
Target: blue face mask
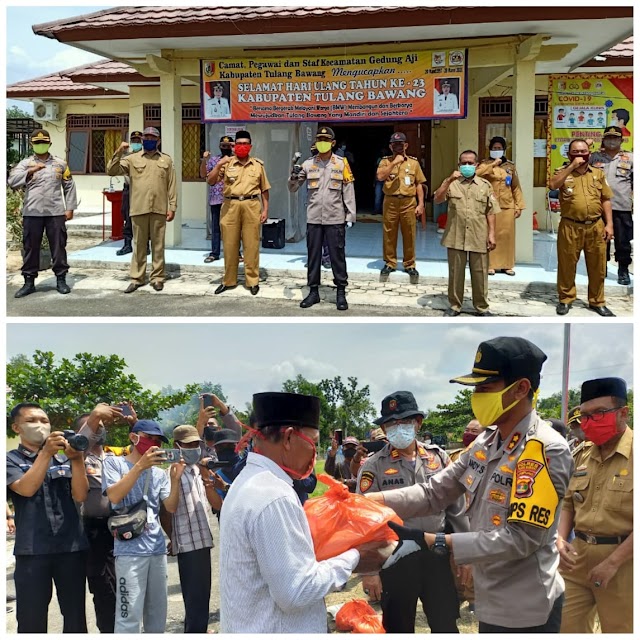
401, 435
467, 170
136, 146
150, 145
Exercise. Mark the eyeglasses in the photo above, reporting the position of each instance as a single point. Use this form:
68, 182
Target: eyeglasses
596, 416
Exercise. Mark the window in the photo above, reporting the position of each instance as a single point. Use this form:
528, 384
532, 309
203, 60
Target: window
193, 137
92, 140
495, 120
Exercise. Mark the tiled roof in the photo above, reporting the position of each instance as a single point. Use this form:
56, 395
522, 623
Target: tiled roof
622, 50
104, 67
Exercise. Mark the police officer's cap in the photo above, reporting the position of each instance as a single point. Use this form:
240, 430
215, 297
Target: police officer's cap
274, 409
573, 417
218, 86
151, 131
151, 427
398, 405
505, 358
135, 134
398, 137
445, 83
243, 135
40, 135
225, 436
602, 387
325, 133
226, 139
614, 132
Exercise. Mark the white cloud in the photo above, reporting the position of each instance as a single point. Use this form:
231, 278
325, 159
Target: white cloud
28, 65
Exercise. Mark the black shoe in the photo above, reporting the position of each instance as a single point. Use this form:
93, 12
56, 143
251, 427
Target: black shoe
62, 286
602, 311
413, 275
223, 287
451, 312
126, 249
27, 288
311, 299
562, 309
386, 270
623, 277
134, 286
254, 290
158, 286
341, 300
484, 314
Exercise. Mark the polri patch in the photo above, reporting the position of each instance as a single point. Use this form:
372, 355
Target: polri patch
366, 480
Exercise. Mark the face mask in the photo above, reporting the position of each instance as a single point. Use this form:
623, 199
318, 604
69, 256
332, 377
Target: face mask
41, 148
225, 151
586, 156
601, 431
102, 439
242, 150
397, 149
323, 147
467, 170
136, 146
611, 143
496, 153
35, 434
190, 456
150, 145
312, 463
349, 452
401, 435
487, 407
227, 455
144, 444
468, 438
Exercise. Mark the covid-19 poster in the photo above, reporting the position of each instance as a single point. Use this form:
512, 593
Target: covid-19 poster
409, 85
582, 105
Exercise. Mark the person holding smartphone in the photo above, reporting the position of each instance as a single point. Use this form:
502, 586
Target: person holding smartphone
207, 425
141, 563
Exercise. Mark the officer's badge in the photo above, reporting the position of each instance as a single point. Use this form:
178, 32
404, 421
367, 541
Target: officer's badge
208, 68
395, 454
481, 455
526, 471
469, 479
390, 472
366, 481
497, 496
506, 469
323, 131
497, 520
513, 442
433, 465
422, 452
624, 472
478, 356
393, 404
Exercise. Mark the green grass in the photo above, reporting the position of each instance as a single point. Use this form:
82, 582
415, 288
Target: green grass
320, 487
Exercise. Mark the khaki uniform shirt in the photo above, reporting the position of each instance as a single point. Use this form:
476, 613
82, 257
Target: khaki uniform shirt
469, 205
509, 197
403, 179
581, 196
619, 173
388, 470
48, 192
153, 181
247, 179
514, 492
600, 493
331, 197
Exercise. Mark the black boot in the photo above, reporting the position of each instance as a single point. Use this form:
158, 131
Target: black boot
62, 286
125, 249
28, 287
341, 299
311, 299
623, 276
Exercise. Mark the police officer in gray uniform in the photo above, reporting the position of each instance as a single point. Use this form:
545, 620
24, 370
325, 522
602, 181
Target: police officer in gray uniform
424, 575
331, 207
44, 178
514, 475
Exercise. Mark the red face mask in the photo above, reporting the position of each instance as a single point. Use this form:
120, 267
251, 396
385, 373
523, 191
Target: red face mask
296, 475
242, 150
468, 438
602, 430
144, 444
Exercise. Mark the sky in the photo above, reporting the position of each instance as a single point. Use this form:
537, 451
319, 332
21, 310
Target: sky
247, 358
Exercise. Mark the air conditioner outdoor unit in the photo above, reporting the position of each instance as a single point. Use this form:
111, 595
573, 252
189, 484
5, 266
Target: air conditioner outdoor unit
46, 111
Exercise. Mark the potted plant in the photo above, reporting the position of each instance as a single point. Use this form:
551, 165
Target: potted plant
15, 229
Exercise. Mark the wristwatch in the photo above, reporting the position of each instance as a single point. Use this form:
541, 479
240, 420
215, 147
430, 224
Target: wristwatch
439, 547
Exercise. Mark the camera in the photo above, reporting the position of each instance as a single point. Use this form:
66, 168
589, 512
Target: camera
213, 465
76, 441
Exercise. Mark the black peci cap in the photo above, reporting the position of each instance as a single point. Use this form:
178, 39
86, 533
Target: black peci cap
398, 405
274, 409
240, 135
602, 387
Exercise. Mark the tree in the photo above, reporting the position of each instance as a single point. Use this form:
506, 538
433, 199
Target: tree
13, 155
551, 407
74, 386
451, 419
17, 112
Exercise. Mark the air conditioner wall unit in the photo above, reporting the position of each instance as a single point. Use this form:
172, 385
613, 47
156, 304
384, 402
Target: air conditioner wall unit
45, 111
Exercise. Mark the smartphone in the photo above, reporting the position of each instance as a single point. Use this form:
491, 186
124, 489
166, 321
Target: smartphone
219, 464
337, 434
207, 400
171, 455
374, 446
125, 408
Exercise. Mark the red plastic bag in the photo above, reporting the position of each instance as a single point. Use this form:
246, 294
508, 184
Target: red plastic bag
358, 616
340, 520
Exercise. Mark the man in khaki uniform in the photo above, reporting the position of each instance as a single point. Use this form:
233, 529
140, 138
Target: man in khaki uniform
402, 463
597, 565
584, 200
403, 181
244, 183
153, 203
470, 230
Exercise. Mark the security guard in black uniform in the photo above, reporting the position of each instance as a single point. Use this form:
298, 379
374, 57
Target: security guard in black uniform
50, 545
135, 144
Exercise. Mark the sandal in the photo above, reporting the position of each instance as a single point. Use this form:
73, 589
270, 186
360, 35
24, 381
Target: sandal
209, 259
492, 272
509, 272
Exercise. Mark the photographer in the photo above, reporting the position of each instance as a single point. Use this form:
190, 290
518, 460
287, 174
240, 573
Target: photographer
45, 475
210, 405
141, 561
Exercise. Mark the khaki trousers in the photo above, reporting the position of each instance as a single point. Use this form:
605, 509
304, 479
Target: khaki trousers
479, 268
504, 255
399, 213
574, 238
148, 226
582, 599
241, 219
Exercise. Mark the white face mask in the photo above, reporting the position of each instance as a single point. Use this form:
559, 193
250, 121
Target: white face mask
401, 435
496, 153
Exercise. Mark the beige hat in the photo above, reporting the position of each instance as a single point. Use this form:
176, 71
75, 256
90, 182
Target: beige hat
377, 434
186, 433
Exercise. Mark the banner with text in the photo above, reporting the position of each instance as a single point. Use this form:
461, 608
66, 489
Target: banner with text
418, 85
582, 105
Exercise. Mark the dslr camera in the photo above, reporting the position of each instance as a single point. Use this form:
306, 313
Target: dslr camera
75, 440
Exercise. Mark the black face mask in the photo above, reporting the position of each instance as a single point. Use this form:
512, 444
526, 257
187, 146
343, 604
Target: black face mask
227, 455
225, 152
348, 452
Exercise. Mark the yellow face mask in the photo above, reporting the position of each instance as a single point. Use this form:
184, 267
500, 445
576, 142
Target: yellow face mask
487, 407
323, 147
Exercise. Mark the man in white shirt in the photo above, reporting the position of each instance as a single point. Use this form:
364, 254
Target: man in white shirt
446, 102
270, 581
218, 107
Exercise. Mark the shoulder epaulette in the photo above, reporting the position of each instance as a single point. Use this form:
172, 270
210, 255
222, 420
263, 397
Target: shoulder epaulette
258, 160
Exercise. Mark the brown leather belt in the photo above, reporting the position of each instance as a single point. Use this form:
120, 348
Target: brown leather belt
241, 197
396, 195
589, 539
587, 222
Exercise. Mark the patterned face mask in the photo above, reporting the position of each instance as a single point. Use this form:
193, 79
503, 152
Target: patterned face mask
401, 435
